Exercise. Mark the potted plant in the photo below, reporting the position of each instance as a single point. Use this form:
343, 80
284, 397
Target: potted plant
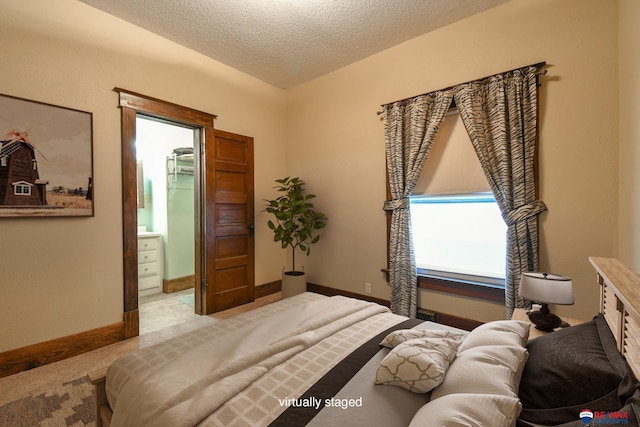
295, 226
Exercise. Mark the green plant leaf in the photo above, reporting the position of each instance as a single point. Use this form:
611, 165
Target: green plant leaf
295, 216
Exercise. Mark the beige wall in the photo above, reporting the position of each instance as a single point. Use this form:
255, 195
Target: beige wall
335, 139
629, 60
63, 276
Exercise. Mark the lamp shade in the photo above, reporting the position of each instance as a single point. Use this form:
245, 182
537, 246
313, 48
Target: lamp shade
546, 288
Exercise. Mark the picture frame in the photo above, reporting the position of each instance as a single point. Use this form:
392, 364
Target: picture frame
46, 160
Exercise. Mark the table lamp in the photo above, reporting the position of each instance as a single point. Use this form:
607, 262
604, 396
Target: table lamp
546, 288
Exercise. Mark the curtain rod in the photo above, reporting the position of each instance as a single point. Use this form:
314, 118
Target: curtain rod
537, 65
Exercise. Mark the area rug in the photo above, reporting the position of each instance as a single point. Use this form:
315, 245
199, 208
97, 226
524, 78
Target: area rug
188, 299
71, 404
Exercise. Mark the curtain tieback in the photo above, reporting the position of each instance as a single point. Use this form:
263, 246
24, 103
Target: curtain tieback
395, 204
524, 212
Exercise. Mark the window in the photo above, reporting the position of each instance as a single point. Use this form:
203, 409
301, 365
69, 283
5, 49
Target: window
22, 189
444, 242
460, 238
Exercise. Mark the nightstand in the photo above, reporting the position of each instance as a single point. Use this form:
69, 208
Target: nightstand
522, 314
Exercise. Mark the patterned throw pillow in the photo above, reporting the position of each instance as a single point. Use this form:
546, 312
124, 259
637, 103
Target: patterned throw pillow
402, 335
419, 364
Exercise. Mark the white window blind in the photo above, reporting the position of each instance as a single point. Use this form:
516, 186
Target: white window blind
452, 166
457, 229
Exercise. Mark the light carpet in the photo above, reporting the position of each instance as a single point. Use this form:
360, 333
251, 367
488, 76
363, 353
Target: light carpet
72, 403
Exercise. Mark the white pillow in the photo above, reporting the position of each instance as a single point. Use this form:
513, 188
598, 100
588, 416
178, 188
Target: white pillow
485, 370
402, 335
464, 410
499, 332
418, 365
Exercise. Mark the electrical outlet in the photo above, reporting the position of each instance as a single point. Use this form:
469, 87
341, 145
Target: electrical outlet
367, 288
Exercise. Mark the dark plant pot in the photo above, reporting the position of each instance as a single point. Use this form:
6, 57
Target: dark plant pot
293, 283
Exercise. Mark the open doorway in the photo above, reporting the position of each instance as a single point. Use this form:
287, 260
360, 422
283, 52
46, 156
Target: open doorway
167, 218
224, 243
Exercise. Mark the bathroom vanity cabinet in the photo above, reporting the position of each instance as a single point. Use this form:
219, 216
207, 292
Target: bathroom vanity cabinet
150, 263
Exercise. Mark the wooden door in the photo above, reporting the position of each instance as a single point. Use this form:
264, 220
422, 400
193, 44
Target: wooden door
229, 246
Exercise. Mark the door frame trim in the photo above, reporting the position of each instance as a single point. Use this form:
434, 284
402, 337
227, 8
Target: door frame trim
131, 104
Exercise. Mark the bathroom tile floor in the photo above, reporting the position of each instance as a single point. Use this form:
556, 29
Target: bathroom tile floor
159, 311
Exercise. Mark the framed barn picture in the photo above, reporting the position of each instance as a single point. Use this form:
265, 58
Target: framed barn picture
46, 160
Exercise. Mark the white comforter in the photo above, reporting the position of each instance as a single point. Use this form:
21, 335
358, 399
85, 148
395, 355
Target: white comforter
187, 387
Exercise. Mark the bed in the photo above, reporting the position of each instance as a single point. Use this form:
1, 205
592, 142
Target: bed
318, 360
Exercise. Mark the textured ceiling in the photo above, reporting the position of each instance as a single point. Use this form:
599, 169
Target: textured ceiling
288, 42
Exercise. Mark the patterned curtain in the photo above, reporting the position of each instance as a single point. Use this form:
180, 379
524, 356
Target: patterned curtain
410, 128
500, 115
